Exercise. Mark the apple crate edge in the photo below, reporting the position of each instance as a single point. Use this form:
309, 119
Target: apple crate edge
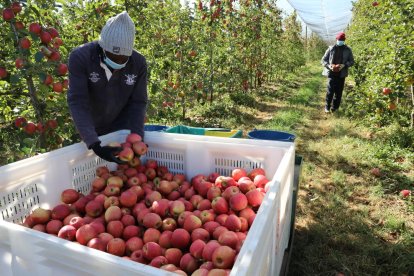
38, 182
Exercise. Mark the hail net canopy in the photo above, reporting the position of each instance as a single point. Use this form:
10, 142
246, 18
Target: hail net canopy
326, 18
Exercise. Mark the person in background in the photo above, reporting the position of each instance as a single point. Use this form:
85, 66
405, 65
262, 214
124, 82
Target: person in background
336, 61
108, 86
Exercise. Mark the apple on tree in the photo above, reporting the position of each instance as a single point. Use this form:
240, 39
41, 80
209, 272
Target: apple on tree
8, 14
3, 73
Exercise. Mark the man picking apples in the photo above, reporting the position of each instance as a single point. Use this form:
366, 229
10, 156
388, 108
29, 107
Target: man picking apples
336, 61
108, 86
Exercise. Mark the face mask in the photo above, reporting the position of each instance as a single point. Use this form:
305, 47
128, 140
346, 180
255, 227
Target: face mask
340, 42
114, 65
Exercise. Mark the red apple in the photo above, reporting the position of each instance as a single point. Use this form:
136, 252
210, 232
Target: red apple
209, 249
255, 198
176, 208
233, 223
19, 63
116, 247
159, 261
152, 220
220, 206
405, 193
188, 263
45, 37
126, 154
128, 198
53, 32
173, 255
200, 234
191, 223
169, 224
60, 211
94, 208
85, 233
16, 7
133, 244
213, 192
115, 228
151, 250
97, 243
223, 257
113, 213
40, 228
238, 202
133, 137
258, 171
62, 69
35, 28
3, 73
180, 238
151, 235
115, 181
69, 196
229, 192
165, 239
8, 14
19, 25
140, 148
246, 185
238, 173
57, 87
25, 43
54, 56
30, 128
196, 249
260, 181
67, 232
77, 222
53, 226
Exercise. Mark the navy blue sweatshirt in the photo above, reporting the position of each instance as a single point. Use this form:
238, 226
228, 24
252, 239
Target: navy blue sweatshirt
99, 106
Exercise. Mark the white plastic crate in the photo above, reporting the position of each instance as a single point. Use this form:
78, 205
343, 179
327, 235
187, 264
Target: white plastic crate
39, 181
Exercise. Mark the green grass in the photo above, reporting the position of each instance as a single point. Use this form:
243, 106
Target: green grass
347, 221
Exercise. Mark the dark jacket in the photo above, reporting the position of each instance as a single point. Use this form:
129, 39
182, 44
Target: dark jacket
347, 60
99, 106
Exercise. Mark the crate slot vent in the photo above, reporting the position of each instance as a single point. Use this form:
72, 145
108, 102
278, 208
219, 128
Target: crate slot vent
173, 160
84, 173
15, 206
224, 166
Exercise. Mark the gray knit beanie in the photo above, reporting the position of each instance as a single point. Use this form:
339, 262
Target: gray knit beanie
117, 36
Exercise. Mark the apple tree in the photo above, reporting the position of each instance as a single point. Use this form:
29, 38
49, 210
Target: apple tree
35, 77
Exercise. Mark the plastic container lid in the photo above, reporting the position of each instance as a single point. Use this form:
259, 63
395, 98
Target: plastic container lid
271, 135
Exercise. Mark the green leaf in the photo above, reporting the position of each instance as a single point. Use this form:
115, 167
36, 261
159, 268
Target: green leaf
14, 79
26, 150
29, 142
42, 76
35, 10
38, 57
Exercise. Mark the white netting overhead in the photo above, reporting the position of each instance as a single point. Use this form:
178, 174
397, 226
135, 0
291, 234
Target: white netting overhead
324, 17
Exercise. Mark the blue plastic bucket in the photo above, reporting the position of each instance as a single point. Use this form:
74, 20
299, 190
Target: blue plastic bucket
155, 127
271, 135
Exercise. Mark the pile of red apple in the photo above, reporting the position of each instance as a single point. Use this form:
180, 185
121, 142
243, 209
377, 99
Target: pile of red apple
145, 213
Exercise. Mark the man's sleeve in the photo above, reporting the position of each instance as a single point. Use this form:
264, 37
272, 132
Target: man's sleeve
78, 100
137, 105
325, 59
350, 60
